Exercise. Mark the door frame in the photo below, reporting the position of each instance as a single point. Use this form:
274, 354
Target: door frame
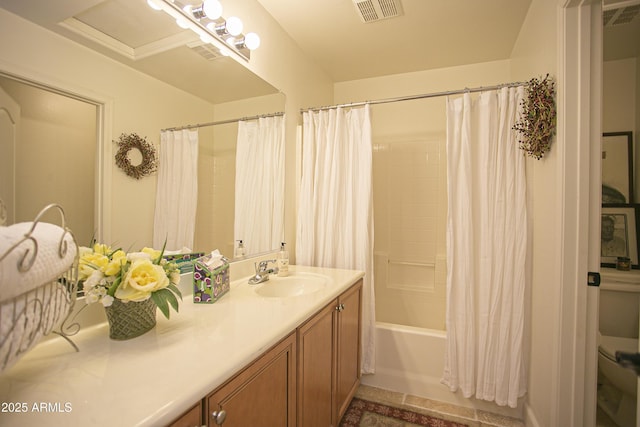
579, 128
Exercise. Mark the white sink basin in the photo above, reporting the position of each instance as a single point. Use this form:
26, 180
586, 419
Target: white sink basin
296, 284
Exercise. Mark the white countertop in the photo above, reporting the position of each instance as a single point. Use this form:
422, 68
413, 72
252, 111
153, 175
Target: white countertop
153, 379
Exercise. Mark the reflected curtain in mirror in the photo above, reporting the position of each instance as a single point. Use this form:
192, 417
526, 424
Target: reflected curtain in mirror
259, 196
177, 190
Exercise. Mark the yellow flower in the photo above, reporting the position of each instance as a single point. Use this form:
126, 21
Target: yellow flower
101, 249
142, 278
89, 262
153, 253
118, 259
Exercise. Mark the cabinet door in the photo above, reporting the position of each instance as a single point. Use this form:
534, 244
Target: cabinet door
262, 395
348, 348
315, 369
191, 418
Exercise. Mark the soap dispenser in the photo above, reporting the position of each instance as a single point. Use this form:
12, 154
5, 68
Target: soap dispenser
239, 250
283, 261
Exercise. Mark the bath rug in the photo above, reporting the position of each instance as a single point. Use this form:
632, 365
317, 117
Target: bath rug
363, 413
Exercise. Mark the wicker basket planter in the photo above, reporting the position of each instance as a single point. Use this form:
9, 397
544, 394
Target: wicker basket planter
130, 319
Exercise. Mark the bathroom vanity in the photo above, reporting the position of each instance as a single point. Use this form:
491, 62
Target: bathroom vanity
263, 352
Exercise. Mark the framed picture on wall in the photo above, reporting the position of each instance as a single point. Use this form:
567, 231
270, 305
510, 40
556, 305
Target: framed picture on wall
618, 237
617, 167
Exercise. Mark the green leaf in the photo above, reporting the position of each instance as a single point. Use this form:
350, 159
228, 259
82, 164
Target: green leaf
112, 289
175, 290
163, 298
164, 245
161, 302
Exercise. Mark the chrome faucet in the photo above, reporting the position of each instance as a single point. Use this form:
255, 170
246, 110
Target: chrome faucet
262, 272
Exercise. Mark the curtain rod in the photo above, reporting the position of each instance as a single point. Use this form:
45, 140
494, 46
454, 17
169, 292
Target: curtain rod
412, 97
222, 122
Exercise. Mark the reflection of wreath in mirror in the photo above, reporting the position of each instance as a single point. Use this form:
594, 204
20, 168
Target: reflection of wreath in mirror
149, 163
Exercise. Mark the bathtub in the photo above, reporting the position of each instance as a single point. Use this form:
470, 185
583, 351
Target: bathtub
410, 360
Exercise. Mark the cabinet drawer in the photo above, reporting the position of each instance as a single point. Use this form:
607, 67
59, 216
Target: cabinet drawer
262, 395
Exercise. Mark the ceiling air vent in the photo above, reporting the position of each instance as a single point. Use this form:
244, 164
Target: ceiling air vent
205, 50
619, 16
376, 10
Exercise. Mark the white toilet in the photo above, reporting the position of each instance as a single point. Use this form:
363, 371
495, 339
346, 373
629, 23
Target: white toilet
617, 386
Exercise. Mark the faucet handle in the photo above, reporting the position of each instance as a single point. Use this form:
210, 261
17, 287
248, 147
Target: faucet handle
262, 267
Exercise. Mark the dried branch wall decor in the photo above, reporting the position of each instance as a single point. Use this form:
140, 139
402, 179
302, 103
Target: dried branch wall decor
537, 125
149, 163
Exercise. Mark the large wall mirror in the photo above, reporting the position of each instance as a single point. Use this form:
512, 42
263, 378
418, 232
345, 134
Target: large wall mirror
129, 32
620, 124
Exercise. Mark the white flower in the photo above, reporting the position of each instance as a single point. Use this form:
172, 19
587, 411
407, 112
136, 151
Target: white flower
93, 280
91, 297
107, 300
133, 256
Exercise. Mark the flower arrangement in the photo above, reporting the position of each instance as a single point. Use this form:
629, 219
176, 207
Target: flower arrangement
108, 274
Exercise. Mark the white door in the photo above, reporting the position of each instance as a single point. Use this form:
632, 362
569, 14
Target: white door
9, 119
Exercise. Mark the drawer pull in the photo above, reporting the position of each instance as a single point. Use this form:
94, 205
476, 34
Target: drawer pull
219, 416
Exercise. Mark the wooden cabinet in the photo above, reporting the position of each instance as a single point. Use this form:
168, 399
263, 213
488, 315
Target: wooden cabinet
306, 380
348, 347
329, 360
262, 395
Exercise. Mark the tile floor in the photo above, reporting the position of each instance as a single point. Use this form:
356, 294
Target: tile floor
471, 417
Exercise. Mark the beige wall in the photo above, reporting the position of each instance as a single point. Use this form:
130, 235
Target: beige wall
534, 55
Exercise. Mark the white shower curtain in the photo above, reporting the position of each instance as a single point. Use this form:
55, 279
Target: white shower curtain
177, 190
259, 196
335, 210
486, 248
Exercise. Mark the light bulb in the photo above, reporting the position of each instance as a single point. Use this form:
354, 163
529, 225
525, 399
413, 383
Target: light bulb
182, 23
153, 5
212, 8
234, 25
252, 41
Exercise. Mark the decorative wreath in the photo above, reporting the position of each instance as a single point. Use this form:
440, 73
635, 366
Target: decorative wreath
538, 123
149, 163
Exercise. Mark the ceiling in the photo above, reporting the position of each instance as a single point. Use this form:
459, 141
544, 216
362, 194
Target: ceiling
424, 34
427, 34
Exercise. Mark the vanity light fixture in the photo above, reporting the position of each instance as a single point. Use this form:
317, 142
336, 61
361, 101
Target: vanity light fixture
206, 20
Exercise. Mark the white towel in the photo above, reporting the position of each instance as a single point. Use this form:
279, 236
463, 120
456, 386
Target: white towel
48, 265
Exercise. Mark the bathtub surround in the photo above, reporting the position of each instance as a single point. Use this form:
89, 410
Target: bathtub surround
335, 217
259, 196
177, 190
486, 248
